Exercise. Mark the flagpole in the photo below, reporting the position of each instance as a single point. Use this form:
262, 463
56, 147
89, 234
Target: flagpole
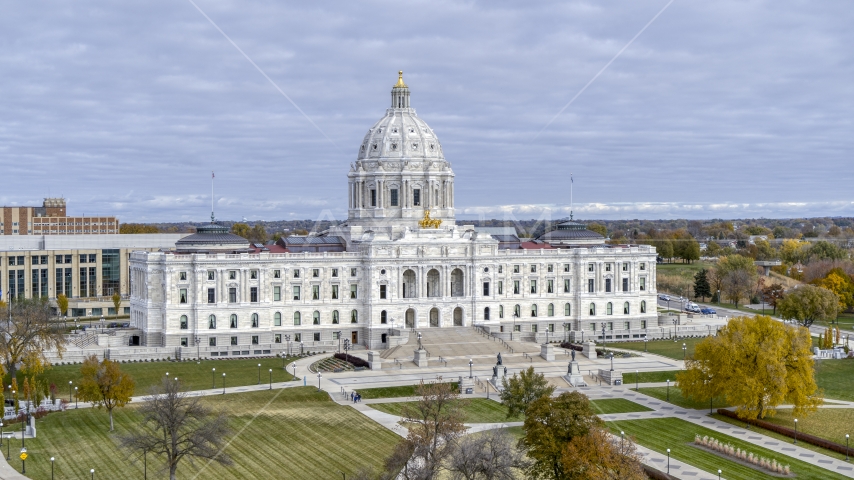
570, 196
212, 196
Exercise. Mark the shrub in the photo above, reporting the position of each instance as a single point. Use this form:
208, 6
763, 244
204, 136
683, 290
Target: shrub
355, 361
570, 346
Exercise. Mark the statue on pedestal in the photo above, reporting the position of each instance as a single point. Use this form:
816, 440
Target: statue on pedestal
573, 355
495, 371
505, 371
499, 358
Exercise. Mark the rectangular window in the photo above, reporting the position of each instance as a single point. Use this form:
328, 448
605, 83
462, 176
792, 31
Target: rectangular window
296, 292
485, 289
67, 259
184, 322
211, 295
315, 292
416, 197
593, 327
316, 336
83, 258
354, 291
550, 286
232, 295
516, 268
334, 272
58, 259
608, 285
500, 287
534, 327
611, 326
184, 341
643, 323
626, 326
643, 283
296, 273
373, 197
590, 267
211, 274
334, 292
182, 294
97, 311
232, 275
254, 339
643, 266
566, 285
382, 291
515, 287
253, 294
277, 293
501, 269
607, 267
551, 327
182, 275
277, 274
93, 258
277, 338
253, 274
533, 286
533, 269
212, 341
551, 268
234, 340
297, 337
336, 335
393, 197
315, 273
625, 267
353, 272
625, 284
590, 285
517, 328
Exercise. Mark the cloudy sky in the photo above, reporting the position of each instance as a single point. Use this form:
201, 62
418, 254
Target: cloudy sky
717, 109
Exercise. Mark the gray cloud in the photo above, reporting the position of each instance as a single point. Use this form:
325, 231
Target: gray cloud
729, 108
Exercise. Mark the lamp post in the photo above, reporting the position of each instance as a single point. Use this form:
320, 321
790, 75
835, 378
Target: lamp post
668, 390
51, 468
645, 339
719, 474
515, 316
684, 352
566, 331
470, 366
295, 369
213, 378
796, 431
612, 361
198, 348
622, 436
604, 341
271, 379
339, 340
69, 390
673, 333
92, 471
319, 376
23, 461
846, 445
259, 374
719, 297
76, 399
668, 461
636, 380
287, 339
300, 347
223, 383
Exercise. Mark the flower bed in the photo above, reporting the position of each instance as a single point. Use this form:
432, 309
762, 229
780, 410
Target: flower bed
771, 465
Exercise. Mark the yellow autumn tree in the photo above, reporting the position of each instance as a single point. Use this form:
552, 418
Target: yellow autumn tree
105, 385
755, 364
838, 282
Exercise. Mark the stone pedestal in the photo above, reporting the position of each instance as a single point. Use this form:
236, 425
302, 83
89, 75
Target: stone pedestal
611, 377
497, 383
589, 350
547, 351
466, 385
574, 376
420, 358
374, 360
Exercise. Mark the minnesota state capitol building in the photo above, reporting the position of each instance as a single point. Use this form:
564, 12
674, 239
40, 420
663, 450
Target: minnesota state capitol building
399, 262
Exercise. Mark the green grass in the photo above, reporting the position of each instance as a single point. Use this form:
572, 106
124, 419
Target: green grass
785, 439
649, 377
659, 434
667, 348
834, 377
676, 398
477, 410
195, 376
392, 392
302, 434
686, 270
617, 405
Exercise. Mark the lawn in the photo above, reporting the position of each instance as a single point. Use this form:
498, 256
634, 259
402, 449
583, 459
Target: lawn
825, 417
477, 410
195, 376
290, 433
659, 434
686, 270
617, 405
648, 377
392, 392
834, 377
667, 348
676, 398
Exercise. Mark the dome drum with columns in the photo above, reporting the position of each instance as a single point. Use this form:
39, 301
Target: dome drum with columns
400, 171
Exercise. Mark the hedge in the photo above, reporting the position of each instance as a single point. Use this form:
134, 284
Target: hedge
570, 346
789, 432
656, 474
356, 361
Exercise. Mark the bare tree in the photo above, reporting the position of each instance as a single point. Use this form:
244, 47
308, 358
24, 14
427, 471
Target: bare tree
738, 284
27, 333
178, 426
490, 455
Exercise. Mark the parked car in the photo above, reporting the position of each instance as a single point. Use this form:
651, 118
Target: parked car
664, 297
708, 311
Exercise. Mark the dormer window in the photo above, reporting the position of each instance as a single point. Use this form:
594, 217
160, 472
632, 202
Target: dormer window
411, 130
394, 130
394, 146
432, 147
374, 146
415, 146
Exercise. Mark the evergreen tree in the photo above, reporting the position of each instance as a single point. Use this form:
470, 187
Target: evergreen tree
702, 288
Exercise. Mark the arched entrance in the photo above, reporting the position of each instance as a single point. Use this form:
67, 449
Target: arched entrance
409, 290
434, 288
434, 317
410, 318
458, 317
457, 283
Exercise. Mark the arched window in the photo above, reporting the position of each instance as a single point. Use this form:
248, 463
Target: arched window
315, 318
486, 313
567, 309
609, 309
254, 320
534, 310
592, 309
354, 316
297, 318
501, 311
383, 317
212, 322
643, 306
277, 319
233, 322
335, 317
517, 311
551, 309
184, 322
626, 308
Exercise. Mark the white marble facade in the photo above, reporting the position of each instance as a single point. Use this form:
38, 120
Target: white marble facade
393, 274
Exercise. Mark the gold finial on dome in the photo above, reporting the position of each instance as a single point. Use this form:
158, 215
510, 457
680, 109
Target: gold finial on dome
400, 83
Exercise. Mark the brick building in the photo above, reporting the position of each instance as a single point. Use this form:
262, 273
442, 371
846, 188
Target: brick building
52, 219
